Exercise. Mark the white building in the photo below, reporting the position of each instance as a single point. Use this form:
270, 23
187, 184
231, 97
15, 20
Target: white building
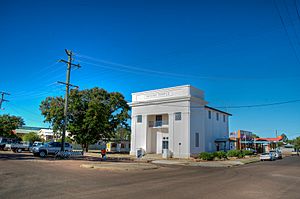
177, 119
48, 134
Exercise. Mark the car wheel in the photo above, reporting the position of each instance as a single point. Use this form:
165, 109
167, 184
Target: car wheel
43, 154
19, 150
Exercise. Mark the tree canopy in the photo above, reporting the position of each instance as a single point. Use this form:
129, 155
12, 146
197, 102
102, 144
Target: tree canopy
52, 109
9, 123
94, 114
296, 143
31, 137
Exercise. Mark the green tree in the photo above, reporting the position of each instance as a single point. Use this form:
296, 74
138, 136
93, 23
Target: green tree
52, 109
67, 139
122, 134
94, 114
31, 137
9, 123
296, 143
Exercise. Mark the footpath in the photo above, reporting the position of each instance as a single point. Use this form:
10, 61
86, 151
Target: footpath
127, 163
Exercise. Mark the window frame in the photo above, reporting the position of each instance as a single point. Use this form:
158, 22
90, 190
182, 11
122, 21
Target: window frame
139, 119
178, 116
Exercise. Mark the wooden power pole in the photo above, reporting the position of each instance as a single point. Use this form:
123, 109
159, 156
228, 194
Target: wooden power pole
2, 98
67, 83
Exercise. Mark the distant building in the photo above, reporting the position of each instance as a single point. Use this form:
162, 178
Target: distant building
48, 134
26, 129
266, 144
118, 146
177, 119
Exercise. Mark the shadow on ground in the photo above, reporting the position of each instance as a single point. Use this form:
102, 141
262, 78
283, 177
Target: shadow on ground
4, 156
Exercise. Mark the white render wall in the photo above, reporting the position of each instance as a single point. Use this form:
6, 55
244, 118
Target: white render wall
215, 128
181, 134
178, 131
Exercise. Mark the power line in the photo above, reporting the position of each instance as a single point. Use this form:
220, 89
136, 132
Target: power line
234, 107
286, 31
292, 21
136, 70
297, 9
261, 105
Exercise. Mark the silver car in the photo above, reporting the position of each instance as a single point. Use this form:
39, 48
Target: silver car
267, 156
278, 153
50, 148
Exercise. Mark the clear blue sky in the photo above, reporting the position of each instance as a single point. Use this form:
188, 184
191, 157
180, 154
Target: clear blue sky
237, 52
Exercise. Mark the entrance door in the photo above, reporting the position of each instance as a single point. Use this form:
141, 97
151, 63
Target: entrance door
165, 143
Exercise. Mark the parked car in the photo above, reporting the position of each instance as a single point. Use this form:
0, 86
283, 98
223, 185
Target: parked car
21, 146
267, 156
5, 143
252, 150
277, 152
50, 148
295, 152
35, 144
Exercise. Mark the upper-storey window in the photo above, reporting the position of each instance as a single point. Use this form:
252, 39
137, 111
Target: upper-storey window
217, 116
209, 114
139, 119
178, 116
224, 118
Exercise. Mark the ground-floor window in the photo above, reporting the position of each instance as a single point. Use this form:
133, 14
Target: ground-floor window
197, 144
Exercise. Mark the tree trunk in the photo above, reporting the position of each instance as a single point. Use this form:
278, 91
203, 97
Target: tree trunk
86, 147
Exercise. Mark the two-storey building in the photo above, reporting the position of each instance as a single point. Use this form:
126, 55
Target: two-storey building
177, 119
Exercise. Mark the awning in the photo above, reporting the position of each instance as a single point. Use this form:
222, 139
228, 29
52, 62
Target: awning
221, 140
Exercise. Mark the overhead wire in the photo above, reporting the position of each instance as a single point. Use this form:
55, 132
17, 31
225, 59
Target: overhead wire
136, 70
232, 106
286, 31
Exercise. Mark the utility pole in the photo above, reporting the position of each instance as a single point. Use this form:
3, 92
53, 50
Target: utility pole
67, 83
2, 99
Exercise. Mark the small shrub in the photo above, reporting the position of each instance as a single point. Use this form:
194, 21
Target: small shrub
247, 152
241, 154
236, 153
233, 153
206, 156
220, 154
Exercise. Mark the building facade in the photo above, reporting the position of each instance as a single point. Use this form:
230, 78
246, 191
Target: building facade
177, 119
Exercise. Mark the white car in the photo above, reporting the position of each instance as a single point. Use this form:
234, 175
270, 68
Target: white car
267, 156
278, 153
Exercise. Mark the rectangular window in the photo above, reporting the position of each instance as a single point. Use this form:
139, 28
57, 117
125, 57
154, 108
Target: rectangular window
178, 116
158, 120
197, 140
224, 118
217, 116
209, 114
139, 119
158, 117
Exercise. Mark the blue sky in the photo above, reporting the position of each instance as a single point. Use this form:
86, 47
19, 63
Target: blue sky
237, 52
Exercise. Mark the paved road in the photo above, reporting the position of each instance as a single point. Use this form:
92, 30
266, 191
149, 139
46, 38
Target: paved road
23, 176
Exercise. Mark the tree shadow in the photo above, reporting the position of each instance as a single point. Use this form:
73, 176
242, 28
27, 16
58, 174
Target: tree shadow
5, 156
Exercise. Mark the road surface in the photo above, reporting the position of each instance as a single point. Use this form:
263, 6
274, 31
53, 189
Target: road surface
23, 176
